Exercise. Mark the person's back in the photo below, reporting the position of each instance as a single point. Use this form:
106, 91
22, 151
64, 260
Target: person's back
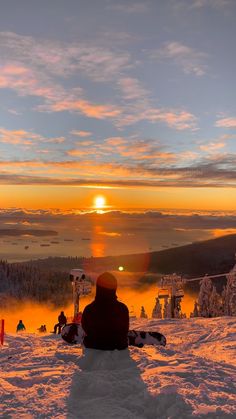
62, 318
20, 326
106, 320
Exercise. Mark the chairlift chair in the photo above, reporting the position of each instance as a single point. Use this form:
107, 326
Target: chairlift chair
163, 293
179, 293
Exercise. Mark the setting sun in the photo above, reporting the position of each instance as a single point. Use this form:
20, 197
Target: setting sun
99, 201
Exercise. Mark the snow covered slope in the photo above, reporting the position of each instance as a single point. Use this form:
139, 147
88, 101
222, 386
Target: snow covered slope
194, 376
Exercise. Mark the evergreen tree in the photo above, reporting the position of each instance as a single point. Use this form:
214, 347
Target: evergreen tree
143, 314
230, 293
224, 302
157, 312
177, 310
167, 309
215, 304
204, 297
195, 310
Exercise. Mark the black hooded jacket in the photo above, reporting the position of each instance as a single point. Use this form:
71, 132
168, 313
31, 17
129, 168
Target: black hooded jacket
106, 322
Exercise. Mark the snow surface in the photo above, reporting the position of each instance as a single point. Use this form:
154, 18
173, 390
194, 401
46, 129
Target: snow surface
193, 376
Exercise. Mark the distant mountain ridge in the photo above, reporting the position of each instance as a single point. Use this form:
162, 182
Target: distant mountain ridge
210, 256
47, 280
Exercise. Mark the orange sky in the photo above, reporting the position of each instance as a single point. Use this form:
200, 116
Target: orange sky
67, 197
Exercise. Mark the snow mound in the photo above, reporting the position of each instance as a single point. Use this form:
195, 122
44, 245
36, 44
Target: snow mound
194, 376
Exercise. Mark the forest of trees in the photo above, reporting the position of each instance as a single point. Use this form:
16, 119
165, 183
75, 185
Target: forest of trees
29, 282
213, 304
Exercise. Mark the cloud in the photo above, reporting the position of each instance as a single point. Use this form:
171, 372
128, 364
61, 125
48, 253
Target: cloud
57, 99
119, 148
188, 59
89, 109
211, 147
216, 171
30, 67
226, 123
63, 59
81, 133
217, 4
79, 153
138, 149
17, 136
131, 88
220, 5
28, 82
22, 137
179, 120
129, 7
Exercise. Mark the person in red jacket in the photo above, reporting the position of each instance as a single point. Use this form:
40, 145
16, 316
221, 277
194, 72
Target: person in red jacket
106, 321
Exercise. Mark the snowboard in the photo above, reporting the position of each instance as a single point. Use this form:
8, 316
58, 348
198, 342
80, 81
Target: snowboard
73, 333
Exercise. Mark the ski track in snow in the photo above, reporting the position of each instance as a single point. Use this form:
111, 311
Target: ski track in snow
194, 376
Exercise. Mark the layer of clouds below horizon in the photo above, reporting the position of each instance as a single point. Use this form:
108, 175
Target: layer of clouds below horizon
102, 234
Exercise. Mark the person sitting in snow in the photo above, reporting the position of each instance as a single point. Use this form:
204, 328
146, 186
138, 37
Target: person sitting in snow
61, 322
42, 328
20, 327
106, 321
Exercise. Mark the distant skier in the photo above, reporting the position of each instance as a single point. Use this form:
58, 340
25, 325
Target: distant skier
20, 327
62, 320
106, 320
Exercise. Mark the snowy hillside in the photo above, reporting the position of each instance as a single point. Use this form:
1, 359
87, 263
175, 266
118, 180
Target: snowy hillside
194, 376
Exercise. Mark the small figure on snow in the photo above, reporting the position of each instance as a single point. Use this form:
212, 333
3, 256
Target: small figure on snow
62, 320
20, 327
42, 328
106, 320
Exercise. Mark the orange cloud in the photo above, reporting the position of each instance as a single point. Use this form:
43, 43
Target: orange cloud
180, 120
21, 136
86, 108
226, 123
77, 153
81, 133
211, 147
17, 136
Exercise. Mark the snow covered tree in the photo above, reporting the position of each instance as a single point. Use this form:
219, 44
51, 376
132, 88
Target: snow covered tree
167, 309
143, 314
195, 310
215, 304
223, 297
204, 297
177, 308
230, 294
156, 312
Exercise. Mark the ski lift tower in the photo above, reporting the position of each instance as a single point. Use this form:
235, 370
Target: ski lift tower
172, 288
80, 286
